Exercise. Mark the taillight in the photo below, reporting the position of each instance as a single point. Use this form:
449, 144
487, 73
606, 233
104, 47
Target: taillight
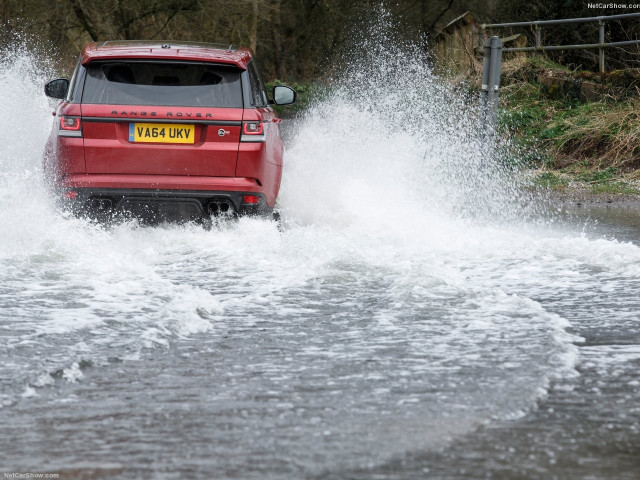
253, 128
253, 132
250, 199
70, 123
70, 127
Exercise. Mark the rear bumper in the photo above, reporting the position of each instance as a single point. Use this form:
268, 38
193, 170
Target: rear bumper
161, 182
160, 205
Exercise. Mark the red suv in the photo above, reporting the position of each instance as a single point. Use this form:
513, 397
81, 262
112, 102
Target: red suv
166, 131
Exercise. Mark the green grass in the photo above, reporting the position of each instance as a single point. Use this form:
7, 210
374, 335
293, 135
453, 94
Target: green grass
605, 181
617, 188
598, 176
600, 139
550, 180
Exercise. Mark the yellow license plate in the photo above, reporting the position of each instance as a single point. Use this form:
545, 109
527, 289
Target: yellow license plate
161, 133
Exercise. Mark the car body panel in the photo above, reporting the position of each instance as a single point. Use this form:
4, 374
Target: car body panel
108, 149
160, 182
63, 155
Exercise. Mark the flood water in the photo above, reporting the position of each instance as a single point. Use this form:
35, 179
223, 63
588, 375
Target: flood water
415, 315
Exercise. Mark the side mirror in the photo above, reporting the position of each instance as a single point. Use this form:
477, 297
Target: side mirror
57, 88
284, 95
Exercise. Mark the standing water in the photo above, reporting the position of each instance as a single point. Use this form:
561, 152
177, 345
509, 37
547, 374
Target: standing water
415, 315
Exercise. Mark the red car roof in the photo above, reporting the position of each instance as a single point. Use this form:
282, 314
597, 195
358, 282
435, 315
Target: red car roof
167, 50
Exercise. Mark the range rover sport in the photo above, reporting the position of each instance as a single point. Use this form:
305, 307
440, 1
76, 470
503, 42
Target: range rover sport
166, 131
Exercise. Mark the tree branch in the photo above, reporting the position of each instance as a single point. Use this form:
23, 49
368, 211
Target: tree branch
82, 18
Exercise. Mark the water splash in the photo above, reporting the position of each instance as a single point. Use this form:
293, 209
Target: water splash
390, 138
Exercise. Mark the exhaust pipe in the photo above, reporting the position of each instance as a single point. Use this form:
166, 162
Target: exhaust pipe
101, 204
220, 207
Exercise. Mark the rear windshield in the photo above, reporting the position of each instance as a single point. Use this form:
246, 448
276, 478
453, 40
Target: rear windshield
163, 84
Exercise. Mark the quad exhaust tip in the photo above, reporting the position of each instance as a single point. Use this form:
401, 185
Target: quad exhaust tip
101, 204
220, 207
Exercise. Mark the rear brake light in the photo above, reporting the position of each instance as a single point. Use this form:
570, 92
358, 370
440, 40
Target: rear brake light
250, 199
253, 128
70, 123
70, 194
253, 132
70, 127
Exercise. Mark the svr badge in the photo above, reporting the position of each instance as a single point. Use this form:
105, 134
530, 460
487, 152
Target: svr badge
222, 132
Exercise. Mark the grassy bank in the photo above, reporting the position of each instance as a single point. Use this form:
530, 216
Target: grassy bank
575, 128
